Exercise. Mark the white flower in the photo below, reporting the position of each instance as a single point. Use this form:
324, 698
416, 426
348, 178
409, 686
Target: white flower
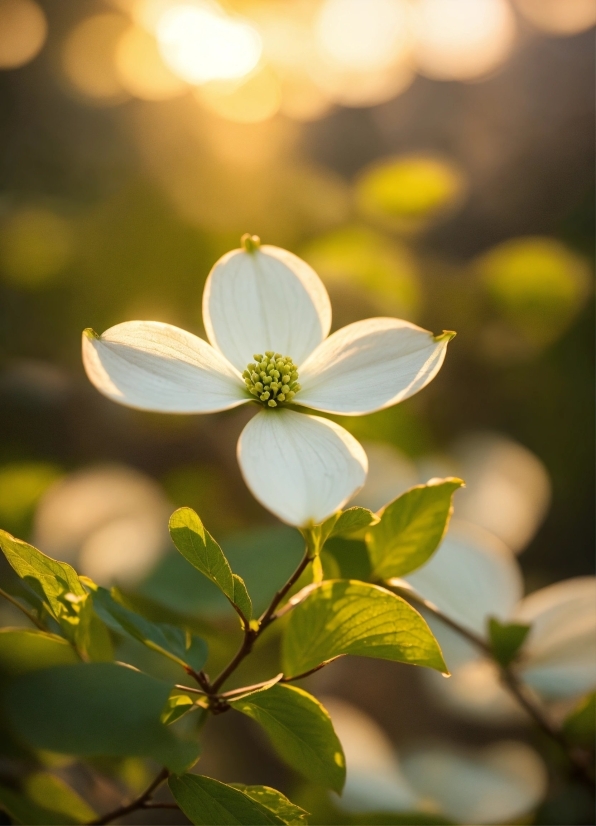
497, 784
264, 309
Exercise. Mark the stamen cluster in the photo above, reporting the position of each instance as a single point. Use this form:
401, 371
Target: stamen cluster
272, 378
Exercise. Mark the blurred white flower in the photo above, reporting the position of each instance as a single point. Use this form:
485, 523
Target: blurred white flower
109, 521
493, 785
267, 315
507, 487
471, 578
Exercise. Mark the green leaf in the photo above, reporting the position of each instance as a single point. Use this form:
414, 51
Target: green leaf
506, 639
91, 636
55, 583
45, 801
199, 548
23, 650
301, 732
241, 597
93, 709
580, 726
349, 617
207, 802
175, 643
276, 802
353, 520
180, 704
411, 528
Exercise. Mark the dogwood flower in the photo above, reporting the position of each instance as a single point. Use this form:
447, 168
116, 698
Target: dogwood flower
267, 316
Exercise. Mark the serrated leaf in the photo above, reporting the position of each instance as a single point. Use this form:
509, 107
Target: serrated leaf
353, 520
506, 639
241, 597
301, 732
349, 617
208, 802
95, 709
23, 650
55, 583
175, 643
45, 800
276, 802
411, 528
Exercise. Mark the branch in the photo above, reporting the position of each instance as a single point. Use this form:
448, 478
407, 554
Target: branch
139, 803
22, 608
512, 683
252, 634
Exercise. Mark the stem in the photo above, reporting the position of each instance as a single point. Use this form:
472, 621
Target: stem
22, 608
513, 684
138, 803
252, 634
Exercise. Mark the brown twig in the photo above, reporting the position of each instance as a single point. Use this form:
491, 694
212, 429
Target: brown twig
511, 681
138, 803
252, 634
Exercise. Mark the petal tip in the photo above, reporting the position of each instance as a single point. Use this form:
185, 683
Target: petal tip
90, 333
445, 336
250, 243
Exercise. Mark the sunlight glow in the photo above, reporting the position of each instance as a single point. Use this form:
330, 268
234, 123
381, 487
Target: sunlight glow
561, 17
363, 34
142, 70
23, 31
200, 43
462, 40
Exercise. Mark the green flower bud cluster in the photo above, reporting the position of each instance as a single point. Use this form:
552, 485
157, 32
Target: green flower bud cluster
272, 378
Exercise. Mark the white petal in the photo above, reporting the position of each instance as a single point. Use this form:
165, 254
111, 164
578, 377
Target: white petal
302, 468
265, 300
471, 577
561, 646
496, 785
370, 365
155, 366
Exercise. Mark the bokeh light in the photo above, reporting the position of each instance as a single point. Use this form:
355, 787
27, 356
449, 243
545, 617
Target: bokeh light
254, 100
109, 521
23, 31
409, 191
363, 35
88, 58
200, 43
35, 245
21, 485
358, 264
141, 68
462, 39
537, 284
559, 17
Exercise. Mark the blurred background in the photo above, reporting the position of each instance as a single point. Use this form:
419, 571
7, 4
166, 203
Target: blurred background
433, 160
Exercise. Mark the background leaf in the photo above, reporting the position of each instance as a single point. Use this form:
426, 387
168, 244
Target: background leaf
276, 802
175, 643
506, 639
207, 801
580, 725
95, 709
301, 732
45, 800
411, 528
23, 650
349, 617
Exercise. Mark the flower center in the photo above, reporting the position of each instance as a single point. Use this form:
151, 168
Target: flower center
272, 378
